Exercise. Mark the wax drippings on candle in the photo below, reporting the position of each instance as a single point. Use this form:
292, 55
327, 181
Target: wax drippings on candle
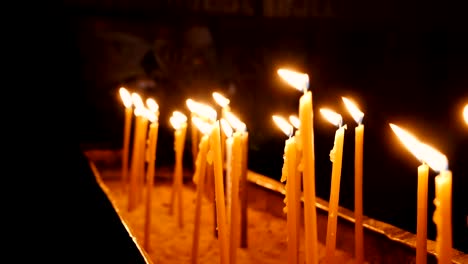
333, 151
284, 171
300, 166
209, 157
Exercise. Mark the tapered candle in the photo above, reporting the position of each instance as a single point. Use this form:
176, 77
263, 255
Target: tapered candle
179, 122
208, 114
153, 139
127, 101
239, 188
290, 175
358, 171
300, 81
443, 201
234, 163
199, 180
194, 136
222, 101
142, 155
243, 190
135, 162
336, 157
414, 146
465, 114
215, 147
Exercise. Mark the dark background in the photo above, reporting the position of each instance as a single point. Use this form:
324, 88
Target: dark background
404, 63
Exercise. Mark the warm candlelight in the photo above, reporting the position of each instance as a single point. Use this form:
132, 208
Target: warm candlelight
222, 101
291, 175
153, 139
234, 162
179, 121
215, 147
300, 81
142, 155
133, 179
295, 121
241, 128
203, 111
414, 146
465, 113
199, 180
443, 201
127, 101
336, 157
358, 171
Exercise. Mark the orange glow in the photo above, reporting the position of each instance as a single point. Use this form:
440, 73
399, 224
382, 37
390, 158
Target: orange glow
202, 110
332, 117
139, 111
433, 158
137, 101
283, 125
220, 99
150, 115
203, 126
465, 113
297, 80
177, 119
152, 105
295, 121
409, 141
226, 127
126, 97
423, 152
353, 110
235, 122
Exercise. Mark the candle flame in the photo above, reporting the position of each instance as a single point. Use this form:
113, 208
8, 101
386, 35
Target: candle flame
283, 125
150, 115
226, 127
152, 105
177, 119
423, 152
139, 111
297, 80
465, 113
295, 121
353, 110
202, 110
433, 158
126, 97
137, 101
235, 122
409, 141
220, 99
203, 126
332, 117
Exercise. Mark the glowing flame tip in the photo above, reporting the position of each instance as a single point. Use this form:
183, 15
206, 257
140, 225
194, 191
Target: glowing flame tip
297, 80
357, 114
283, 125
332, 117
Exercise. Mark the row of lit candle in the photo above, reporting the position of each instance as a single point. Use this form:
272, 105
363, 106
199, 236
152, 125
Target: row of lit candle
299, 157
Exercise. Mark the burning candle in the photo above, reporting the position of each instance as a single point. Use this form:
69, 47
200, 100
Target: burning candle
153, 139
300, 81
179, 121
215, 147
358, 164
133, 181
241, 131
465, 113
199, 180
414, 146
443, 201
127, 101
222, 101
291, 175
336, 157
